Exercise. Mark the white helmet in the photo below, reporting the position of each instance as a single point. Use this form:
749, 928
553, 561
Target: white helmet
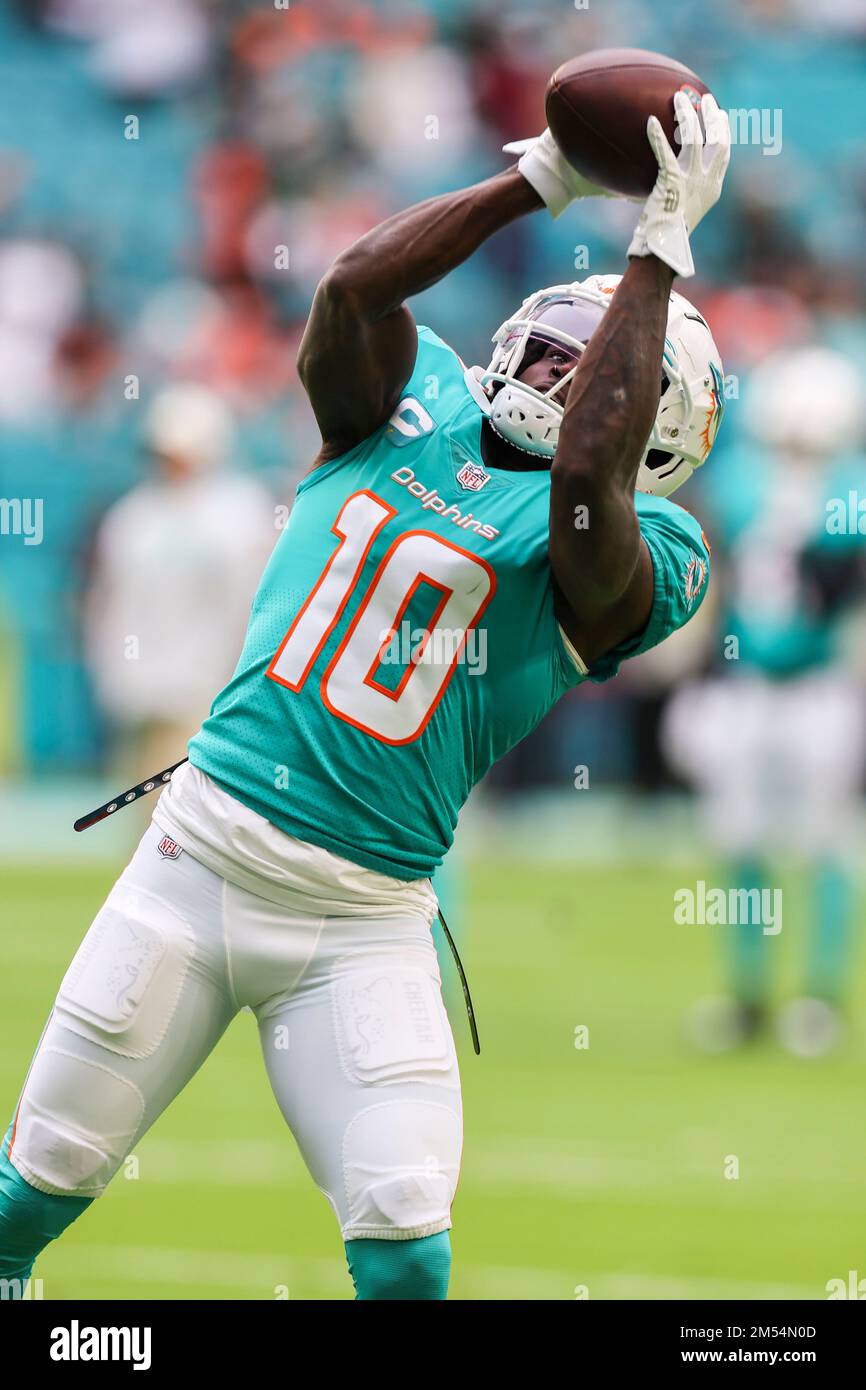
691, 403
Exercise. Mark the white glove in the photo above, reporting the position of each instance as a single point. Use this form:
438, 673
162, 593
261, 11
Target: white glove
545, 167
688, 184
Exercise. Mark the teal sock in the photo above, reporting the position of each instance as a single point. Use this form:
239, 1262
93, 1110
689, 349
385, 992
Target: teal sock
29, 1219
749, 963
833, 907
400, 1269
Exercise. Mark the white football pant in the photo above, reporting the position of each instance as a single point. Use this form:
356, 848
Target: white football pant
355, 1037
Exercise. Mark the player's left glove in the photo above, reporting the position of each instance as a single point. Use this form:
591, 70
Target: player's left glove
544, 166
688, 185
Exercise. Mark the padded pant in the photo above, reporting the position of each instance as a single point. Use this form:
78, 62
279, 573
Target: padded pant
354, 1034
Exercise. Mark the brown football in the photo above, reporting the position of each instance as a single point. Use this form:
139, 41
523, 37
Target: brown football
597, 108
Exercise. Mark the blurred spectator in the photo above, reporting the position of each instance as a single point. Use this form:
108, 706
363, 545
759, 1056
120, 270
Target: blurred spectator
41, 292
175, 566
138, 50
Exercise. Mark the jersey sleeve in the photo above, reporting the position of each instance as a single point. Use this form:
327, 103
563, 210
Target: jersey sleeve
681, 572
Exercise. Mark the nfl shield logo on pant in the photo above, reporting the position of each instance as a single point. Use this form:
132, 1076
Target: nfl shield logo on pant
168, 848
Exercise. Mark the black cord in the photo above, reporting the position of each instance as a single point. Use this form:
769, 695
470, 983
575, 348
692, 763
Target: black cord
465, 983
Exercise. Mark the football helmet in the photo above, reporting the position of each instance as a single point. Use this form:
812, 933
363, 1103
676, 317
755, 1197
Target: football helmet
691, 399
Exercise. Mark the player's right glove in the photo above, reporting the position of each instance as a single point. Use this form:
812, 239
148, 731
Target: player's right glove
550, 174
688, 185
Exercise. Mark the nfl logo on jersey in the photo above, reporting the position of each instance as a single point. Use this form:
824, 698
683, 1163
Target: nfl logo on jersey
472, 477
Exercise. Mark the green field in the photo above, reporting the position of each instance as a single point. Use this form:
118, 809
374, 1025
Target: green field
601, 1167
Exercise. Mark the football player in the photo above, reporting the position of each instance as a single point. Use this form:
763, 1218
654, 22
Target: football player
287, 868
775, 739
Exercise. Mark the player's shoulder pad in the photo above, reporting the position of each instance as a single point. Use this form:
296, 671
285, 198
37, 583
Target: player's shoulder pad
437, 386
662, 515
680, 553
680, 557
436, 363
427, 336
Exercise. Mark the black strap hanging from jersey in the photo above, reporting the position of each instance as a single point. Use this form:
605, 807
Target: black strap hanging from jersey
464, 982
122, 799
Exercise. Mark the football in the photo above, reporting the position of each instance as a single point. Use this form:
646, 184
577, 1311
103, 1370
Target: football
597, 106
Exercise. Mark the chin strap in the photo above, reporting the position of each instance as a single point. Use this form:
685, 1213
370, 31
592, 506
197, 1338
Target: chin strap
480, 395
519, 447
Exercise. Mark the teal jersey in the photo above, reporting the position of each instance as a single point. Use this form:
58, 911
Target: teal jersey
403, 637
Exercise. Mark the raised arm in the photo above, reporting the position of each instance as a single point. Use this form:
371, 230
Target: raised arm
603, 573
359, 345
602, 569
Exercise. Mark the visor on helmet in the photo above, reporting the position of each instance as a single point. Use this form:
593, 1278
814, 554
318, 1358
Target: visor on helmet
563, 316
563, 322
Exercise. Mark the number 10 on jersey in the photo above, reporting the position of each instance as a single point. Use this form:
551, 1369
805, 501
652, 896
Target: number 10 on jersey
349, 688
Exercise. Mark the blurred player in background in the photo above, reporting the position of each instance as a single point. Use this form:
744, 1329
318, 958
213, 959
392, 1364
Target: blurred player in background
775, 744
175, 566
